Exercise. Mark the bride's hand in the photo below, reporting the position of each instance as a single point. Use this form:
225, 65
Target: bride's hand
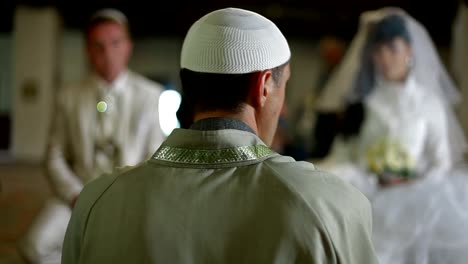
393, 181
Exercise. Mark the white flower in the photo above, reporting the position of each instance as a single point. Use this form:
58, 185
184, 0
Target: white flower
388, 156
393, 159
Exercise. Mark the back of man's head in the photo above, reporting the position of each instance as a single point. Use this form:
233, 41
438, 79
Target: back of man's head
221, 52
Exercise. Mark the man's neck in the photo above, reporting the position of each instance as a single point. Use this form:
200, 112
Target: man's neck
245, 116
110, 80
115, 84
221, 123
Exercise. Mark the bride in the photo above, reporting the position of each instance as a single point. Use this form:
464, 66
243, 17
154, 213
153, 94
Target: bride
407, 157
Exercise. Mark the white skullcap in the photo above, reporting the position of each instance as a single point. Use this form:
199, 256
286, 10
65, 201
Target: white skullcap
110, 14
233, 41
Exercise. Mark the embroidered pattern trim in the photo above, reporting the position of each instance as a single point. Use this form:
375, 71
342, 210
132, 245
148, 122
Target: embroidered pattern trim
214, 156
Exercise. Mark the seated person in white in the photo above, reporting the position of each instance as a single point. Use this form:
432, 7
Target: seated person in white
408, 154
109, 119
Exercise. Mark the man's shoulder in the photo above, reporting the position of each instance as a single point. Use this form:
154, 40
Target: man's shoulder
77, 85
145, 85
319, 189
324, 201
70, 91
93, 190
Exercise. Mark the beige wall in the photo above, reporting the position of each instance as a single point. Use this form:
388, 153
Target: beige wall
36, 35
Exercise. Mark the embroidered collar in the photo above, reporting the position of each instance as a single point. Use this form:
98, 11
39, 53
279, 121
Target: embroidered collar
213, 142
212, 156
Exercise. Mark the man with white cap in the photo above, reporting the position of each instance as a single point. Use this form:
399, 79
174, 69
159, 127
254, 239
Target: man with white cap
109, 119
216, 193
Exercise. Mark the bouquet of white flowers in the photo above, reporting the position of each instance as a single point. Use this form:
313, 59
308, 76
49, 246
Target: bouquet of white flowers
390, 161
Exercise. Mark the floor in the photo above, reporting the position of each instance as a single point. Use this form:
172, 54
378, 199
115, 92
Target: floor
23, 191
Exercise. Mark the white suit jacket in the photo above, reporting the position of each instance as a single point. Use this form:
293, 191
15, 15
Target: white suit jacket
70, 160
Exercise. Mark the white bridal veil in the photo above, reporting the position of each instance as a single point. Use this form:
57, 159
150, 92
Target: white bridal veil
427, 66
351, 79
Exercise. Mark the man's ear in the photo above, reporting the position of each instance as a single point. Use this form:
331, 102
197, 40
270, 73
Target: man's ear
261, 85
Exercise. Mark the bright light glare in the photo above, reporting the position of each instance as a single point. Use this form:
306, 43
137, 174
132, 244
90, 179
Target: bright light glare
169, 103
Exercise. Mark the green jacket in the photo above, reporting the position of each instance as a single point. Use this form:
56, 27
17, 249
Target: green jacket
219, 196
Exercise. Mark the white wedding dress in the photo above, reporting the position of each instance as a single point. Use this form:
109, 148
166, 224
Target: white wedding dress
425, 220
